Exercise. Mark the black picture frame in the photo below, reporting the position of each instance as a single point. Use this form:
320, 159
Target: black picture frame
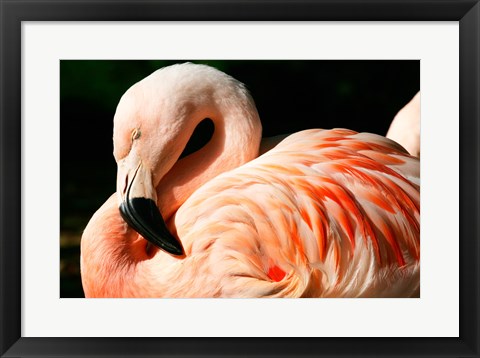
13, 12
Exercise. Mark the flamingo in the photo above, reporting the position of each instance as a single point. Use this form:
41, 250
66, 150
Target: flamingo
405, 127
318, 213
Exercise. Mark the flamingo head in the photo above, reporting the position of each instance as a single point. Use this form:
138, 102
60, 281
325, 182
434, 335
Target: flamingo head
153, 122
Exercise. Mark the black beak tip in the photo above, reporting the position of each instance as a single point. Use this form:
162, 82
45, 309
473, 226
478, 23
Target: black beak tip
177, 251
143, 216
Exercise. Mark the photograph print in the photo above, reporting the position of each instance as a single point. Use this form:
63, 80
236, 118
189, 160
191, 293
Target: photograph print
240, 178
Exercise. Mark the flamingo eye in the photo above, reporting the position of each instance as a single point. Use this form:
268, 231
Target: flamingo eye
136, 134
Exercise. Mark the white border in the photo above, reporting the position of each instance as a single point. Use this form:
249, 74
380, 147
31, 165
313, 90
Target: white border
435, 314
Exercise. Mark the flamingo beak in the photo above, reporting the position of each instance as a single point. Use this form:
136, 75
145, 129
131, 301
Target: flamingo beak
139, 209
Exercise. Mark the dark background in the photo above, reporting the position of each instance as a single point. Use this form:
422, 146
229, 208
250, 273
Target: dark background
290, 96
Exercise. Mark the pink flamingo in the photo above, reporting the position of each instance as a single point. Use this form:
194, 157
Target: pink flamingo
405, 127
323, 213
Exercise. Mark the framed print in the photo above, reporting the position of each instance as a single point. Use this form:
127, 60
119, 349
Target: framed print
66, 72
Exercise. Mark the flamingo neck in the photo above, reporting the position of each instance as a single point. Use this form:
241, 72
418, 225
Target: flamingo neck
112, 251
236, 140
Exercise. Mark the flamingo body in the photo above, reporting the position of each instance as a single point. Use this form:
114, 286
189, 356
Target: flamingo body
324, 213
